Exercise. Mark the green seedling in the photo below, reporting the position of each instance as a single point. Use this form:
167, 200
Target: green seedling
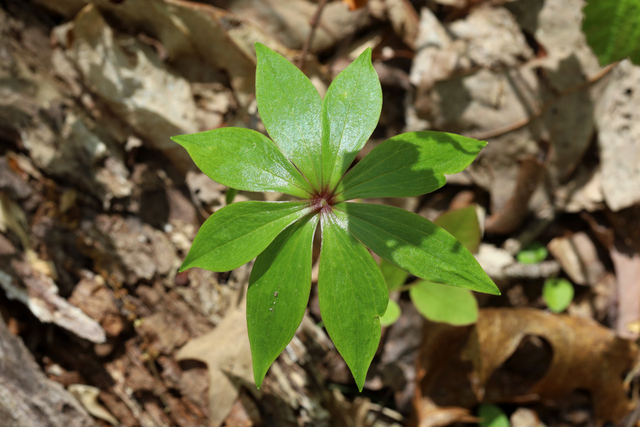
558, 294
313, 143
533, 253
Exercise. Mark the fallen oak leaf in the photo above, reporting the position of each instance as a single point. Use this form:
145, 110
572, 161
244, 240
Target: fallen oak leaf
586, 356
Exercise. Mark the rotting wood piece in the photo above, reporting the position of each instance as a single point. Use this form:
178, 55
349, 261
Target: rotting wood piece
27, 397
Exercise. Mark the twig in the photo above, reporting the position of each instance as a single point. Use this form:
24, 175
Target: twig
315, 20
539, 112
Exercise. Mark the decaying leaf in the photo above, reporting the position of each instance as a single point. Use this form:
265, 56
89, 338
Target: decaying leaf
88, 397
226, 352
431, 415
585, 355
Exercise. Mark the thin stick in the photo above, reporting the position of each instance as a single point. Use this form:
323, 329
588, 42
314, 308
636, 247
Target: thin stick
522, 123
315, 20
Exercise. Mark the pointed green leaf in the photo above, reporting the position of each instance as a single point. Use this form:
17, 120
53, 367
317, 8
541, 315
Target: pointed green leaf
410, 164
416, 245
533, 253
393, 276
612, 28
392, 314
237, 233
352, 296
558, 294
463, 225
278, 294
290, 108
444, 303
350, 112
244, 159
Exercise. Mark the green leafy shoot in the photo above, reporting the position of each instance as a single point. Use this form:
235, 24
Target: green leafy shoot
492, 416
394, 277
533, 253
612, 28
391, 315
558, 294
312, 143
445, 304
463, 224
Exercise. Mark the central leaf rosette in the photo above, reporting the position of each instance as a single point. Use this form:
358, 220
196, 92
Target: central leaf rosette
313, 143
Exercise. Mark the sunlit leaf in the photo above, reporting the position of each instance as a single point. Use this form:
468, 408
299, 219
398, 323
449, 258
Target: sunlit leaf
558, 294
391, 315
416, 245
278, 293
410, 164
352, 296
444, 303
292, 116
533, 253
393, 276
350, 112
237, 233
463, 225
244, 159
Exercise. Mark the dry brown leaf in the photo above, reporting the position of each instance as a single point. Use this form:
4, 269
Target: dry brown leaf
463, 366
226, 352
585, 356
430, 415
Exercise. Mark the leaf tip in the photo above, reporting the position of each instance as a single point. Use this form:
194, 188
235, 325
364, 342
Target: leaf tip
258, 374
259, 47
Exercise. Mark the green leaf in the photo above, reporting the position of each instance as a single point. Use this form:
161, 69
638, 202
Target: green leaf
350, 112
533, 253
416, 245
444, 303
391, 315
394, 277
244, 159
558, 294
612, 28
352, 296
410, 164
290, 108
230, 195
463, 225
492, 416
237, 233
278, 293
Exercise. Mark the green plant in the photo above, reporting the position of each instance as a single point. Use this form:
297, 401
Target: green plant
533, 253
438, 302
492, 416
313, 143
612, 28
557, 293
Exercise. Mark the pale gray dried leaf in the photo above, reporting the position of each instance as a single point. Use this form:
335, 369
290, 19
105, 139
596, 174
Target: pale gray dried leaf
618, 118
130, 77
88, 397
